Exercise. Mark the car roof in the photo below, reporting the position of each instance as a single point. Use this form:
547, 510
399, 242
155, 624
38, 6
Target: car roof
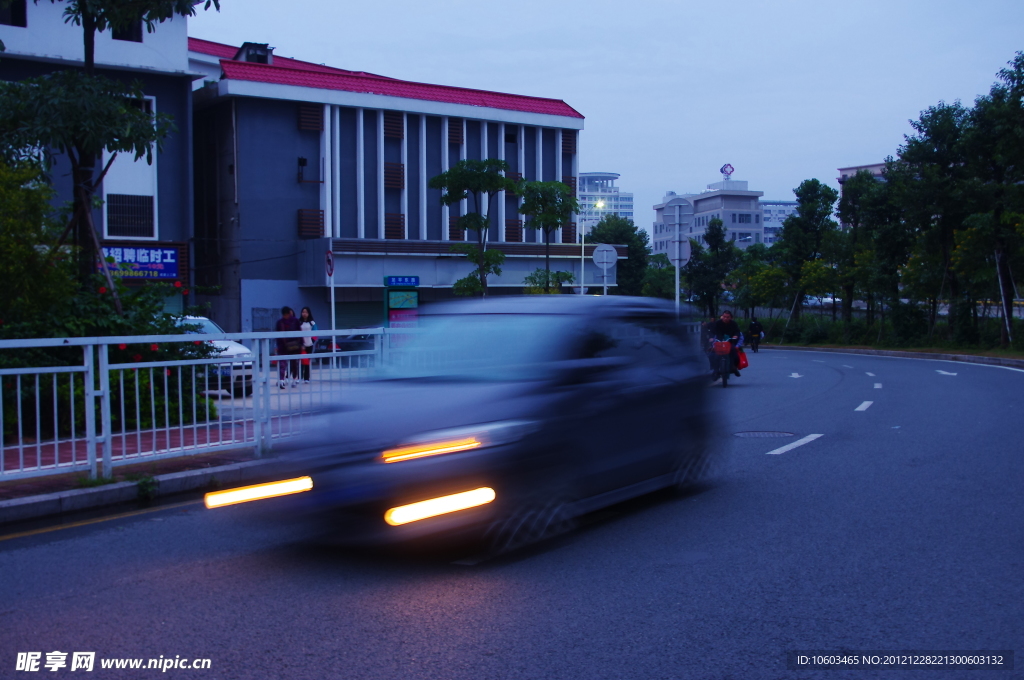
582, 305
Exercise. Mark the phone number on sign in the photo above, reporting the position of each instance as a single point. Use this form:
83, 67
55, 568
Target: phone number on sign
819, 660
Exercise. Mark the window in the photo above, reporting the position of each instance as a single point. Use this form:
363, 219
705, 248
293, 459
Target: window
743, 219
130, 216
131, 33
14, 14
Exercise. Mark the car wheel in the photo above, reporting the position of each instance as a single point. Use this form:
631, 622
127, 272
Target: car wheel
533, 522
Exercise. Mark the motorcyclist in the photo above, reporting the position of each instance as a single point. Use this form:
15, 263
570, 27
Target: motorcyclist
756, 331
727, 329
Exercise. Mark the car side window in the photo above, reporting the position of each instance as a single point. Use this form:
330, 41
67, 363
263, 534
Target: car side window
642, 340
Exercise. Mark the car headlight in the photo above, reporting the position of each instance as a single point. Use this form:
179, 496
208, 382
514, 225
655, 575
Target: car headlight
459, 439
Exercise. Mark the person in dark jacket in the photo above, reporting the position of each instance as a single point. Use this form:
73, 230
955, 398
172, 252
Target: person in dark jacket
755, 331
727, 329
288, 369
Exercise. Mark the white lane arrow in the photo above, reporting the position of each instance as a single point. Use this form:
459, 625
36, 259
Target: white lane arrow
943, 372
795, 375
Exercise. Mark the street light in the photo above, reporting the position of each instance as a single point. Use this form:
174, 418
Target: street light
599, 205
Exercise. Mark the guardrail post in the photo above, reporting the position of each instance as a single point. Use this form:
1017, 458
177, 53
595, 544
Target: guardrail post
105, 424
89, 381
261, 399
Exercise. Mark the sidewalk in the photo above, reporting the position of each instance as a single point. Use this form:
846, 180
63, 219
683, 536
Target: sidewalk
56, 495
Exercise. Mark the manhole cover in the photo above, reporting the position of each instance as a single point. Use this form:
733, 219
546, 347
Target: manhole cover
764, 434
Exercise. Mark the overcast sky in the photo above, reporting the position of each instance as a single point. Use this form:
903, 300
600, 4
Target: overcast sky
784, 90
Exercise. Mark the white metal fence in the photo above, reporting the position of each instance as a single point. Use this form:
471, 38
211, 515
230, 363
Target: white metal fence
91, 404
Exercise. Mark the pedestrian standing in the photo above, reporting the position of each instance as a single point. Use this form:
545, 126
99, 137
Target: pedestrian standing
288, 369
306, 323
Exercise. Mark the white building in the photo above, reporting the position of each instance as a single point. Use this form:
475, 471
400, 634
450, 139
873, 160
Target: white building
774, 214
598, 189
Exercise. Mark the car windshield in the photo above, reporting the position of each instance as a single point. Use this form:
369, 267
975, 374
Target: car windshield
200, 325
480, 347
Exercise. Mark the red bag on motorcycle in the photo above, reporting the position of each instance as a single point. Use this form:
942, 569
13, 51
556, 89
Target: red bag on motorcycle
722, 347
743, 363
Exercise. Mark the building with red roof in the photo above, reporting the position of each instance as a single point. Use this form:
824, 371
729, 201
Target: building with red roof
295, 159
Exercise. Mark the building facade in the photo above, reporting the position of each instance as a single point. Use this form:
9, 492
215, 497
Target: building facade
598, 196
674, 215
145, 222
728, 200
295, 159
774, 214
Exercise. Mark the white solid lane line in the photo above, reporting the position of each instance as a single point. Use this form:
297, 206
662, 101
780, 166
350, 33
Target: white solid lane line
799, 442
864, 406
872, 375
878, 386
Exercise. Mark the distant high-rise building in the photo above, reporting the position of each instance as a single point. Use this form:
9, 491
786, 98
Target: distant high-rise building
774, 214
598, 189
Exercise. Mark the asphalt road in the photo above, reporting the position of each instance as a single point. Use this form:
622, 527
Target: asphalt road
899, 528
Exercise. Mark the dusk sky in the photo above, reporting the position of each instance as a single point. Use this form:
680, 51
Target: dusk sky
783, 90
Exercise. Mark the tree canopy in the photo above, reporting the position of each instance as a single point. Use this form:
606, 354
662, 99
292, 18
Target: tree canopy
616, 230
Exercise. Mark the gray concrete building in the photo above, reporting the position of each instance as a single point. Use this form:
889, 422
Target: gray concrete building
729, 200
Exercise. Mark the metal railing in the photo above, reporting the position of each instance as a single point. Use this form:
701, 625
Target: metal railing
91, 404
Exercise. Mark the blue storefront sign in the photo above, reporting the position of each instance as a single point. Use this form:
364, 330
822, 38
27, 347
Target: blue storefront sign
140, 262
392, 281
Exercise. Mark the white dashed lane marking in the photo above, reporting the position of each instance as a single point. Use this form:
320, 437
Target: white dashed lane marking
864, 406
799, 442
845, 366
943, 372
872, 375
878, 386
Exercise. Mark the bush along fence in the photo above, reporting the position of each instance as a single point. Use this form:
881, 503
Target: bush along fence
90, 404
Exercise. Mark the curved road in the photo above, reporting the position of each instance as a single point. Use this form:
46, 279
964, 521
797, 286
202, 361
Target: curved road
899, 528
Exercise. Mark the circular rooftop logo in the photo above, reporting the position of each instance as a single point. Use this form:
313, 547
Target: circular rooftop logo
727, 170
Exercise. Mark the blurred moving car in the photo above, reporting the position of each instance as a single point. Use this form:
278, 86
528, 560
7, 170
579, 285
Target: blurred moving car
504, 419
228, 378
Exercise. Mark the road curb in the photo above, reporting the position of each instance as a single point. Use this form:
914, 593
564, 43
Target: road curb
964, 358
56, 504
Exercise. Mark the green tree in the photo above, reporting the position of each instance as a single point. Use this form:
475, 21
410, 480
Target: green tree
854, 206
804, 233
616, 230
660, 277
749, 263
710, 265
34, 282
549, 205
994, 149
936, 194
478, 182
